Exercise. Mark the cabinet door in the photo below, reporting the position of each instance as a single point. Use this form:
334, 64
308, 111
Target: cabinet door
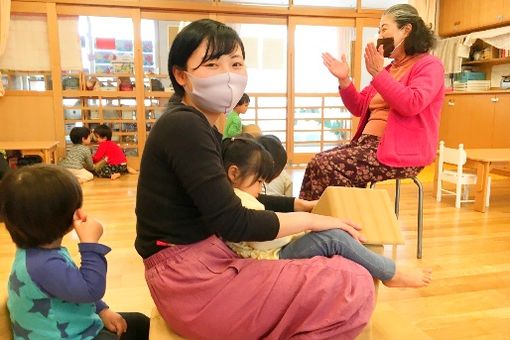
469, 11
460, 121
501, 134
481, 123
506, 11
446, 118
458, 16
493, 14
449, 17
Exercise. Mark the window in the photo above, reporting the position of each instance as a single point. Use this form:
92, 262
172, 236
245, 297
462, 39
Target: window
259, 2
320, 119
326, 3
380, 4
266, 61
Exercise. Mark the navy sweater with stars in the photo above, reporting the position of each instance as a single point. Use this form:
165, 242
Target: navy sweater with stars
51, 298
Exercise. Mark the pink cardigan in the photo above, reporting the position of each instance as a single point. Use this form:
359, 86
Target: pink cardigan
415, 101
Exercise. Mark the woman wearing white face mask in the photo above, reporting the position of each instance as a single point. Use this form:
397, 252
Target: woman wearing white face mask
186, 208
398, 129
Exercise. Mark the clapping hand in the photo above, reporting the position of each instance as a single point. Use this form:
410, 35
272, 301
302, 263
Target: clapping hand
374, 59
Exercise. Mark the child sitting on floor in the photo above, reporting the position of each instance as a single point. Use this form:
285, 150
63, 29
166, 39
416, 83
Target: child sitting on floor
116, 162
49, 296
248, 164
78, 159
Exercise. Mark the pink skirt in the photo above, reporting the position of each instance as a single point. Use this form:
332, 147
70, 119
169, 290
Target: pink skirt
204, 291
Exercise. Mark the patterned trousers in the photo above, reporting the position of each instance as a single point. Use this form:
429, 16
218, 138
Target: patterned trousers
108, 170
350, 165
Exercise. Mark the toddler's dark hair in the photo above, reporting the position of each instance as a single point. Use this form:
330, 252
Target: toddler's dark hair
244, 99
275, 147
37, 204
103, 131
78, 133
249, 156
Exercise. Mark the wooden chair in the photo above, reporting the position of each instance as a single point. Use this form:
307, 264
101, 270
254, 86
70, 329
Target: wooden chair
461, 179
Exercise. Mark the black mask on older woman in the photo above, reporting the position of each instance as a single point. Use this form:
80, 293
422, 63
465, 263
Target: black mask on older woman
388, 45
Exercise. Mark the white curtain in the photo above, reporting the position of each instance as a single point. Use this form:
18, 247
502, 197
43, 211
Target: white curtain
27, 46
70, 46
497, 37
451, 51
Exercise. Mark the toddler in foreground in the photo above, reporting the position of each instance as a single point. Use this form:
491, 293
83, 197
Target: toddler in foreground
49, 297
248, 164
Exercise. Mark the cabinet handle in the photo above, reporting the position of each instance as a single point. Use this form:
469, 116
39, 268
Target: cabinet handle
456, 23
494, 99
451, 103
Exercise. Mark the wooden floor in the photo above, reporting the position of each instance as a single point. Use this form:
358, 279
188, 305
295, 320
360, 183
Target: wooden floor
468, 251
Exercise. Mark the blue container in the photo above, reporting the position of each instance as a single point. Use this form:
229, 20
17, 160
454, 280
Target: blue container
466, 75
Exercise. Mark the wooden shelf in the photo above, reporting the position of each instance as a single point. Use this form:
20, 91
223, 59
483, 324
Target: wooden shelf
105, 94
158, 94
155, 107
110, 75
22, 93
494, 61
119, 108
154, 75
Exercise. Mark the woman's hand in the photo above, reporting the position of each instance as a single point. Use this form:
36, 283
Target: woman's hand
321, 222
339, 69
88, 229
304, 205
296, 222
374, 59
113, 322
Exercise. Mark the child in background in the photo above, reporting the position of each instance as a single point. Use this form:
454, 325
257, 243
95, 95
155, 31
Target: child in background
282, 184
233, 126
78, 159
248, 164
116, 162
4, 165
49, 297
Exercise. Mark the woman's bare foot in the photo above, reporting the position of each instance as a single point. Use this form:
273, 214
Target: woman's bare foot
117, 175
131, 170
410, 278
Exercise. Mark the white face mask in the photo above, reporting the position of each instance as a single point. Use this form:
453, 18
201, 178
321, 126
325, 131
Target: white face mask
219, 93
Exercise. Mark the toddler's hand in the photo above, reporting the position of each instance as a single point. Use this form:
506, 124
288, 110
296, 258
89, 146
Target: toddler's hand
113, 322
88, 229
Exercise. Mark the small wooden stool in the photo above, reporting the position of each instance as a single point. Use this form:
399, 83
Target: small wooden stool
159, 330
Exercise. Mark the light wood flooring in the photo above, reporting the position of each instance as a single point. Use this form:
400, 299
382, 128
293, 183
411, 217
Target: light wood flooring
468, 251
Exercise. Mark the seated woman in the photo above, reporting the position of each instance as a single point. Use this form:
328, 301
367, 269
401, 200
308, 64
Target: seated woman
398, 129
186, 209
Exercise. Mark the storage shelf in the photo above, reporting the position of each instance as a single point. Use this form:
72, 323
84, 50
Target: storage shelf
494, 61
105, 94
119, 108
158, 94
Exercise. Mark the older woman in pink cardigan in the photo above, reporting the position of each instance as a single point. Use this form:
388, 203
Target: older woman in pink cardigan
400, 109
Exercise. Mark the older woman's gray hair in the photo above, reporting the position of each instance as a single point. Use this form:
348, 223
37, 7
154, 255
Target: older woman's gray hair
421, 38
